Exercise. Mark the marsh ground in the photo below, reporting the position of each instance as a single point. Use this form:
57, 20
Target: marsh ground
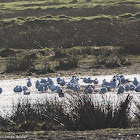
103, 134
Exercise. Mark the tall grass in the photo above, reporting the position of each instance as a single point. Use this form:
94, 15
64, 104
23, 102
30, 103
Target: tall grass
91, 115
79, 113
137, 115
5, 124
49, 115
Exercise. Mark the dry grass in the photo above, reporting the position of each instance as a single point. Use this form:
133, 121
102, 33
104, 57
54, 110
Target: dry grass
83, 114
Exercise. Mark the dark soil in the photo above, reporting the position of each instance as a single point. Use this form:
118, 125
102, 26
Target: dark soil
103, 134
131, 69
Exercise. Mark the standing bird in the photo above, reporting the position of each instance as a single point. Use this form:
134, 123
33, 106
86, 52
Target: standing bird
41, 87
73, 79
62, 83
113, 83
118, 80
53, 88
88, 86
69, 85
137, 89
59, 91
121, 76
24, 88
124, 81
45, 87
103, 90
18, 89
50, 81
89, 80
37, 84
127, 87
95, 81
76, 87
135, 82
58, 80
43, 81
15, 89
121, 89
29, 84
89, 89
84, 80
105, 83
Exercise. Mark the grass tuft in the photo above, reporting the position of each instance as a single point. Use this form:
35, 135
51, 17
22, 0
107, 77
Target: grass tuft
81, 112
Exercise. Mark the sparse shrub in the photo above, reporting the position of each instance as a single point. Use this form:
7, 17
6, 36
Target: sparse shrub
27, 62
72, 62
59, 53
54, 114
50, 70
12, 65
87, 50
24, 64
45, 68
108, 61
7, 52
24, 111
111, 59
76, 52
107, 51
48, 115
42, 52
97, 52
26, 116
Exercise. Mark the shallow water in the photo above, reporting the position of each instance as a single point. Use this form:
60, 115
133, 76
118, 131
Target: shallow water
8, 98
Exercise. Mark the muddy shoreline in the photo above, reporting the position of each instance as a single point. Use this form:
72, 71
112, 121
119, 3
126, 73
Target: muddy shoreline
132, 69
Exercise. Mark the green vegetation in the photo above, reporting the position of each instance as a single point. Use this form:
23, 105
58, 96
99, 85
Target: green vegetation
42, 61
52, 30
